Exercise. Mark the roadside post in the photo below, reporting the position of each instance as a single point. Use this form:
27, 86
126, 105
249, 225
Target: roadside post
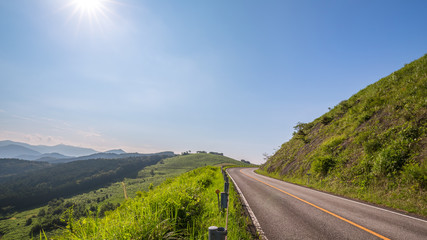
217, 195
217, 233
224, 200
224, 195
308, 178
224, 174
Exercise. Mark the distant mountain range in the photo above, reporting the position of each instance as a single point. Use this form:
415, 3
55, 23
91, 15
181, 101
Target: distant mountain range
61, 153
66, 150
15, 151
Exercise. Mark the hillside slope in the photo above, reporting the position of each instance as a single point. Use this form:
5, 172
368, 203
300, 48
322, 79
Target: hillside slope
172, 167
63, 180
10, 167
185, 163
371, 144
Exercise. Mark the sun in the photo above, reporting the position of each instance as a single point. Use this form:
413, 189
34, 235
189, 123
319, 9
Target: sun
94, 12
91, 8
88, 5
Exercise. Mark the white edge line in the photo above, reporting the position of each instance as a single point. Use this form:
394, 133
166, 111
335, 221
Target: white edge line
251, 213
349, 200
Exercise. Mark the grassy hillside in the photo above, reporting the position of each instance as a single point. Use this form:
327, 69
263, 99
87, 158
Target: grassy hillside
184, 163
372, 146
15, 225
182, 208
167, 168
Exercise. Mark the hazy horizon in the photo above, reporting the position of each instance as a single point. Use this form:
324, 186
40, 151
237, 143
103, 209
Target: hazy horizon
232, 77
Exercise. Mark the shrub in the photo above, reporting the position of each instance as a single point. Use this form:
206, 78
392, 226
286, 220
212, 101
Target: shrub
371, 146
323, 165
365, 116
331, 145
344, 106
410, 133
300, 129
390, 160
416, 174
326, 120
28, 222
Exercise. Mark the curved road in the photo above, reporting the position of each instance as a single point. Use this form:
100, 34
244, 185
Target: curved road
288, 211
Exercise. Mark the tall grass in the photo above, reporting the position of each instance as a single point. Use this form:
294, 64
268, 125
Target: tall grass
180, 208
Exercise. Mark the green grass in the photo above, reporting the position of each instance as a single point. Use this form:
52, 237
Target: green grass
13, 226
181, 208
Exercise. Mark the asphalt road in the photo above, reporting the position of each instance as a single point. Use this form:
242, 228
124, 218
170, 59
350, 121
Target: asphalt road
288, 211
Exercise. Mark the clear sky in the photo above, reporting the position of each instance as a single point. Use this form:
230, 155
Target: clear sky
226, 76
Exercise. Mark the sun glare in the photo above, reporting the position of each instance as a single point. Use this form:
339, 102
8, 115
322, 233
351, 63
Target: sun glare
88, 5
95, 12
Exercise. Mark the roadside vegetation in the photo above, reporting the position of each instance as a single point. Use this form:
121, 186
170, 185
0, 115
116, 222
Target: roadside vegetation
180, 208
372, 146
50, 217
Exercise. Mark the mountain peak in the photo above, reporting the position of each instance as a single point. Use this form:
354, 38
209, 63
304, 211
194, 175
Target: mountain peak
116, 151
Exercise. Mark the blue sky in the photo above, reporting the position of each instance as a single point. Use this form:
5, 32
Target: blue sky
226, 76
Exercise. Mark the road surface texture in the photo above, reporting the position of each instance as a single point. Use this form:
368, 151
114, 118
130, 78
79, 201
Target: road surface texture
288, 211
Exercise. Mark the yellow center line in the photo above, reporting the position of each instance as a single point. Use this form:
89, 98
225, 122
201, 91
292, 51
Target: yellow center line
322, 209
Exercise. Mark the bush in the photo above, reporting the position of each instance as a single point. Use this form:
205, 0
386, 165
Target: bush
416, 174
301, 129
371, 146
410, 133
326, 120
331, 146
28, 222
323, 165
365, 116
390, 161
